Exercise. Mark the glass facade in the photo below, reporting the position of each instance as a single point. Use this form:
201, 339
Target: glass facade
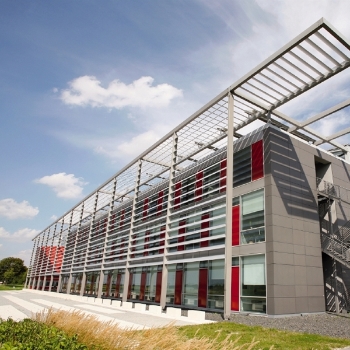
196, 284
91, 283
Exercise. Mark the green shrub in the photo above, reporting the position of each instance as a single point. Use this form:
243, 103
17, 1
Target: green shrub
31, 335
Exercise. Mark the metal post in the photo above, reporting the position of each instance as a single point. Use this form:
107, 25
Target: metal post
111, 208
136, 193
170, 192
88, 244
82, 286
229, 196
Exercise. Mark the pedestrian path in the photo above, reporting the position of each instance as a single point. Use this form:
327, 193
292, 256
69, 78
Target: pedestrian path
23, 304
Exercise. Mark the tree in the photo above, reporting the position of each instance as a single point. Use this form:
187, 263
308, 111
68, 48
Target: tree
12, 270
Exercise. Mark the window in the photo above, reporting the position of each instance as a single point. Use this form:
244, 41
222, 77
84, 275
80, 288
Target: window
242, 172
190, 296
216, 284
253, 283
252, 220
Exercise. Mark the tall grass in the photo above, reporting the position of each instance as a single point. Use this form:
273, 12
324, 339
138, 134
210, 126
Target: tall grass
107, 335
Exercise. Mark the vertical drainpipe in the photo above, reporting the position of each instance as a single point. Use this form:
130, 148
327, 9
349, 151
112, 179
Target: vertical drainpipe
171, 180
229, 195
136, 194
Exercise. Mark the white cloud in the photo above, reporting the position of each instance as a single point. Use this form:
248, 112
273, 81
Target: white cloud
11, 209
0, 245
64, 185
87, 91
128, 149
54, 217
24, 234
25, 256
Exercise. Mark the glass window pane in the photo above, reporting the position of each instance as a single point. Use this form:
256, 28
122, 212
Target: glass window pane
191, 280
253, 275
253, 202
170, 293
216, 284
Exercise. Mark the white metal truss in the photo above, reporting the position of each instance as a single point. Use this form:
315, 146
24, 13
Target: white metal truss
313, 57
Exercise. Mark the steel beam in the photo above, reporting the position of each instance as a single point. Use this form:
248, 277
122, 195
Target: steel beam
229, 196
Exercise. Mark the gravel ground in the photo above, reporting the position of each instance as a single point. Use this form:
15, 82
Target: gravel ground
323, 324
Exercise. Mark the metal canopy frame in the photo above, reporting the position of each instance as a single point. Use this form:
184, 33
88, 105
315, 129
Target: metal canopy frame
317, 54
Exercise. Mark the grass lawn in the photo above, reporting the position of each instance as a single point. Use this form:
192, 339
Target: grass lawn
10, 287
267, 337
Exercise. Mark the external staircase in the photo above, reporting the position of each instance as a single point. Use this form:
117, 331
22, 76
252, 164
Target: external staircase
335, 244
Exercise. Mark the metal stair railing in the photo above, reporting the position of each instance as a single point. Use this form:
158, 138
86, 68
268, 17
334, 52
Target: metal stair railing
330, 190
337, 249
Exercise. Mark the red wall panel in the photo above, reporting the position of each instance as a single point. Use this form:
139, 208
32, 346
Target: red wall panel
143, 285
182, 230
235, 225
178, 287
158, 286
199, 184
205, 225
203, 288
257, 160
235, 288
146, 246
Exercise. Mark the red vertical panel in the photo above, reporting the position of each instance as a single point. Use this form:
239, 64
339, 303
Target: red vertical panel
143, 285
177, 198
117, 284
122, 215
146, 246
257, 160
223, 165
199, 184
205, 225
182, 231
145, 209
203, 288
160, 202
235, 288
178, 287
130, 284
235, 225
158, 286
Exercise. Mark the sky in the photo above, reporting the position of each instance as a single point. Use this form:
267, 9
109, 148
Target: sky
88, 85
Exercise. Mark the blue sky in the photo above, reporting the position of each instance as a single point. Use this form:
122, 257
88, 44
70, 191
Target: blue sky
87, 85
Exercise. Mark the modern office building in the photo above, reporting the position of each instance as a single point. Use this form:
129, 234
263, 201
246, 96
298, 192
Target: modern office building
241, 208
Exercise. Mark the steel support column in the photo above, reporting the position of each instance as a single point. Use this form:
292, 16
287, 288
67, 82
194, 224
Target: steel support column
170, 192
229, 195
110, 211
136, 193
